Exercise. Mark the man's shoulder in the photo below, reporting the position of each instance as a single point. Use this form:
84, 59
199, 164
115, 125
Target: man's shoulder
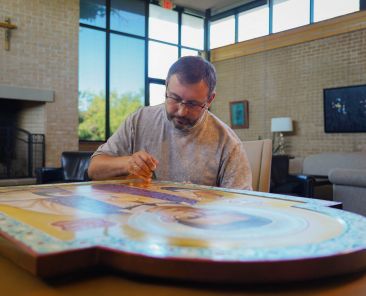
148, 113
222, 128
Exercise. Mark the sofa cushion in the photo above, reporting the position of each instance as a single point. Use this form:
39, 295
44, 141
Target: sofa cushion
349, 177
321, 164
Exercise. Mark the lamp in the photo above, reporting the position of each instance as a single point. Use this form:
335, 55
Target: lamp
280, 125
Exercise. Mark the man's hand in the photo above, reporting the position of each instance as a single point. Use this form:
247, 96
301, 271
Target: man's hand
142, 164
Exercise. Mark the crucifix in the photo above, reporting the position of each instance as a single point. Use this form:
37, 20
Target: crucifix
8, 27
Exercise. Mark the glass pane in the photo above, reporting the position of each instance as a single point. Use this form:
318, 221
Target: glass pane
161, 57
192, 31
128, 16
288, 14
222, 32
92, 12
189, 52
157, 94
253, 23
127, 78
163, 24
91, 84
325, 9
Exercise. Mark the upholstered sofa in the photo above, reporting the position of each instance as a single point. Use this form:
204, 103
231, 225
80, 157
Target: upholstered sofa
346, 172
349, 187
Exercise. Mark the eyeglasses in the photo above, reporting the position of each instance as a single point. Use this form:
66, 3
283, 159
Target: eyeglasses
190, 105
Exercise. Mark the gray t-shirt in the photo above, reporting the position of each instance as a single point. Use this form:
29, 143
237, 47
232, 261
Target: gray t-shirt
210, 153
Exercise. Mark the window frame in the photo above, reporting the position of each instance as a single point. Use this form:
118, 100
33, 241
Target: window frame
237, 10
148, 80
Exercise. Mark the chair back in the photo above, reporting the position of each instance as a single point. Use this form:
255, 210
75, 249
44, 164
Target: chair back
74, 164
260, 157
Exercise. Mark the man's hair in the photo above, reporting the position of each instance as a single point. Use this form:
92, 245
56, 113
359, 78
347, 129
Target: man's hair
193, 69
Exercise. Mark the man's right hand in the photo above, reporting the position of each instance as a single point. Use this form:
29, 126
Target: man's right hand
142, 164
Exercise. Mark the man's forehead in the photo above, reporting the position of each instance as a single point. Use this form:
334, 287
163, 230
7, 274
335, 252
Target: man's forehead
176, 78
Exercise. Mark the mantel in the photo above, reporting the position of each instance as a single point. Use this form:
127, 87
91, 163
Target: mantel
27, 94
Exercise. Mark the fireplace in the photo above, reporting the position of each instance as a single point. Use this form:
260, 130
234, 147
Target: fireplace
22, 128
21, 151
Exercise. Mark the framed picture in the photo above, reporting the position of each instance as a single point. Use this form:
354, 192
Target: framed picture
345, 109
239, 114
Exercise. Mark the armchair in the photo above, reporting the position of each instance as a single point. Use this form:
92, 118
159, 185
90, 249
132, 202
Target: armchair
284, 183
74, 166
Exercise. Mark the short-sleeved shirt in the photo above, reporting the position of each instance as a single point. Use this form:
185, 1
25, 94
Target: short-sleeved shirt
210, 153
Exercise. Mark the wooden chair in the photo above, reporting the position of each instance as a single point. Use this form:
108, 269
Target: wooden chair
260, 157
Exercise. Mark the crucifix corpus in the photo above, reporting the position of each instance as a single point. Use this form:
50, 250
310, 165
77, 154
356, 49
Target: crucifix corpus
8, 27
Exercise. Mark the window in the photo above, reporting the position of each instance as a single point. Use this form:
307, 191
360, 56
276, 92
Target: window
92, 90
164, 47
161, 56
157, 94
222, 32
253, 23
102, 106
127, 78
258, 18
93, 12
192, 31
288, 14
189, 52
325, 9
128, 16
120, 67
163, 24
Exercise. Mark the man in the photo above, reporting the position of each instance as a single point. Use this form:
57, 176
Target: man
179, 140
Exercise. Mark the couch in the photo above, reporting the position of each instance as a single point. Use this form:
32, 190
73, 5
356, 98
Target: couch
346, 172
349, 187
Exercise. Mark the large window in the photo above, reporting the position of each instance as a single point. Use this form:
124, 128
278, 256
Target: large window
166, 44
111, 64
262, 17
120, 67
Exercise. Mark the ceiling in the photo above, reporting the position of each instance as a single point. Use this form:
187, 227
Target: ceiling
216, 6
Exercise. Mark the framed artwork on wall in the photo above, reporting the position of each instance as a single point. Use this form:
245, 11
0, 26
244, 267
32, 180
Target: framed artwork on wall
345, 109
239, 114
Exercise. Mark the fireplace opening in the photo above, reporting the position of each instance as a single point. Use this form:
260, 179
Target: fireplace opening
21, 151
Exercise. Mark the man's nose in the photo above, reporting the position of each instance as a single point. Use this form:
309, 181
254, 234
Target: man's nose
182, 109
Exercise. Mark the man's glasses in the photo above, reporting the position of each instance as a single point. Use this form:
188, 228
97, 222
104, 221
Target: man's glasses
190, 105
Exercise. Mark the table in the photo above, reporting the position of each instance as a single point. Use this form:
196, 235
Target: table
16, 281
43, 222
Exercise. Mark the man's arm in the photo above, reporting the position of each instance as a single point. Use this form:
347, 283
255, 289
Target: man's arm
235, 171
104, 166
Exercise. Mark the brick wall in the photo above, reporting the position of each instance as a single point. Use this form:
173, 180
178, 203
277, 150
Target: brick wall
44, 55
289, 81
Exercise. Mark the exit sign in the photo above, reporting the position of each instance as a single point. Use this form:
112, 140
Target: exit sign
167, 4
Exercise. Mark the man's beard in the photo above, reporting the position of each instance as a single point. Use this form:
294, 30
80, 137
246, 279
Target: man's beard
182, 123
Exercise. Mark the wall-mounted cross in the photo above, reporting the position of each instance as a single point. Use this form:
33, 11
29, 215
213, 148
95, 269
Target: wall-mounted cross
8, 27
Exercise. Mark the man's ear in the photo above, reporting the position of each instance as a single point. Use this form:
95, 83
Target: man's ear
210, 100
